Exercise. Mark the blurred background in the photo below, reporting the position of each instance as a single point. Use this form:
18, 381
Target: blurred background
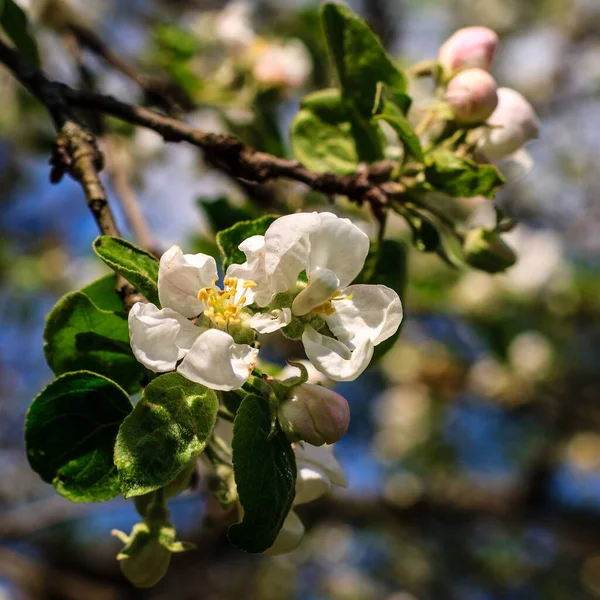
473, 456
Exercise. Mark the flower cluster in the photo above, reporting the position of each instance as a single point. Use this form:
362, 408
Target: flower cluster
296, 277
474, 98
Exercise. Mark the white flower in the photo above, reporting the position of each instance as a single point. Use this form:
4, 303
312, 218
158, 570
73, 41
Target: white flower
215, 350
318, 470
233, 26
513, 123
286, 64
289, 537
331, 251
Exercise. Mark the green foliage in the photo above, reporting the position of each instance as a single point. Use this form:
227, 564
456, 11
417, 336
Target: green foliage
386, 264
147, 553
70, 434
265, 474
169, 427
13, 21
80, 336
139, 267
461, 177
359, 57
222, 214
393, 115
103, 294
322, 146
229, 239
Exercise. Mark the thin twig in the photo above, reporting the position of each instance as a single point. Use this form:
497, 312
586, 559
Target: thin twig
75, 151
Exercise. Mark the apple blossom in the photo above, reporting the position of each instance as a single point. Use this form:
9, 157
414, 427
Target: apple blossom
331, 251
317, 471
289, 537
215, 350
283, 64
472, 95
512, 124
468, 47
314, 414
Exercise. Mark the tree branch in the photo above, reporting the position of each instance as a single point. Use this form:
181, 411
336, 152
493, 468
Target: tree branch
75, 151
225, 152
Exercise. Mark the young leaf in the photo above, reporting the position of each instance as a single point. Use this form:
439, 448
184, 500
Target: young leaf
103, 294
391, 114
359, 57
139, 267
70, 434
80, 336
229, 239
322, 146
328, 105
14, 22
169, 426
222, 213
265, 474
460, 177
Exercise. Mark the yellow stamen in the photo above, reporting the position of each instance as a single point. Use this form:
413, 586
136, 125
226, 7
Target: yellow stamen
222, 306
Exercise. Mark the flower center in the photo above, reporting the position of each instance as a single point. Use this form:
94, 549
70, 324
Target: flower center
327, 307
318, 295
224, 306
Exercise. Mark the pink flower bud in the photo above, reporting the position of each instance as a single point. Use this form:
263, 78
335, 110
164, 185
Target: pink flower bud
472, 95
315, 415
468, 47
513, 123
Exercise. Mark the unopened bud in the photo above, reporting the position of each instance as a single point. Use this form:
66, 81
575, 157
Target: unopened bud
315, 415
468, 47
472, 95
513, 123
484, 249
289, 537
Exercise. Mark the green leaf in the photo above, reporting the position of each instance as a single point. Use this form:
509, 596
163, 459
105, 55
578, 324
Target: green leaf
229, 239
139, 267
169, 427
80, 336
265, 474
103, 294
392, 114
460, 177
222, 213
70, 433
387, 264
328, 105
14, 22
322, 146
359, 57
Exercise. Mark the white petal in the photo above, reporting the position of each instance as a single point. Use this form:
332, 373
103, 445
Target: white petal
160, 338
271, 321
335, 359
338, 245
217, 362
253, 269
322, 285
375, 312
289, 537
180, 278
286, 249
322, 458
311, 483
